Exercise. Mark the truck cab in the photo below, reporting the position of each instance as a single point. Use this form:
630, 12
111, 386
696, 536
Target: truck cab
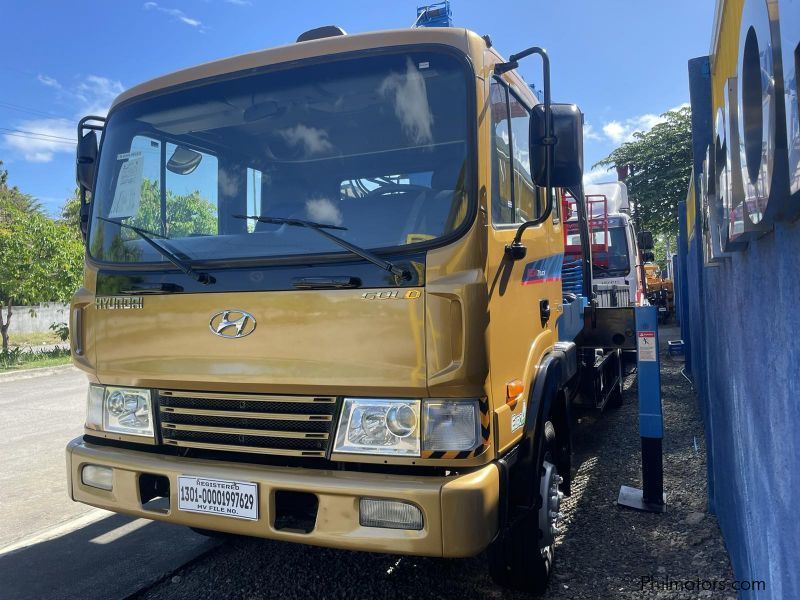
616, 262
300, 317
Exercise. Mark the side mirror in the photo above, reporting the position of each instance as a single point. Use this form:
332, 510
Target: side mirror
86, 163
567, 167
648, 257
645, 240
86, 160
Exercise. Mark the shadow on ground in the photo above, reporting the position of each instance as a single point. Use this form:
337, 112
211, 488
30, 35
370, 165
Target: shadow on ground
110, 558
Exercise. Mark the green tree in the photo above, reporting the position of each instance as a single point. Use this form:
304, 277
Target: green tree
41, 260
71, 211
660, 164
13, 197
187, 214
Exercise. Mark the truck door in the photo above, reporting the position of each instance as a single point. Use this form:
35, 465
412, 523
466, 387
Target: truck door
524, 295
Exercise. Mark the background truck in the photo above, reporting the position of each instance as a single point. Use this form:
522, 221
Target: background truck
618, 278
323, 300
660, 291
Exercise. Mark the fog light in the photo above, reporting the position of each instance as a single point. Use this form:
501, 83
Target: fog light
98, 477
389, 514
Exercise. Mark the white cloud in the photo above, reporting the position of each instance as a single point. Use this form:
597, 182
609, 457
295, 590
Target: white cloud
48, 81
176, 14
598, 175
410, 98
589, 133
314, 141
97, 93
622, 131
239, 2
615, 131
324, 211
39, 140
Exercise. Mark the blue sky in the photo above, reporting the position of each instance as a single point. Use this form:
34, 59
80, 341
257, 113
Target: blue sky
623, 62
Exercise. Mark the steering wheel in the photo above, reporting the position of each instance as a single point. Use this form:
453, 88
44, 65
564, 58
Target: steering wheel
396, 188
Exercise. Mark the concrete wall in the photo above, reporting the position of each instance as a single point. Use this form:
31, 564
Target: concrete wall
742, 326
34, 319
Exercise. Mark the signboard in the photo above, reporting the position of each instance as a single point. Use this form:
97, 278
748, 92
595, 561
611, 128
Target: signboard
646, 346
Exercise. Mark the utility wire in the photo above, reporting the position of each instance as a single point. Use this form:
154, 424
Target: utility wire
32, 111
38, 133
40, 139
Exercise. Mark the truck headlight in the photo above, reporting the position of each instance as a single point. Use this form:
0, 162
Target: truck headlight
452, 425
379, 426
120, 410
394, 427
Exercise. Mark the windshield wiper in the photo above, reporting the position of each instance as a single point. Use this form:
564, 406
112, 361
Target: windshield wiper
320, 228
183, 265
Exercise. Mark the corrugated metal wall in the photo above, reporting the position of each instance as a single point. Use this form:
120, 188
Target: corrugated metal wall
742, 326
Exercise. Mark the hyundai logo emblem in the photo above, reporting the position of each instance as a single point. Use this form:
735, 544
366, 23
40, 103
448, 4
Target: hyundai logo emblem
232, 324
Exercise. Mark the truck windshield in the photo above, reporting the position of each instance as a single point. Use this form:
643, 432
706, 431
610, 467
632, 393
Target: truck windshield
376, 145
615, 262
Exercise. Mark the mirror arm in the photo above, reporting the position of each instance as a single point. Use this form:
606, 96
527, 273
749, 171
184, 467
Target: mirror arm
84, 123
516, 250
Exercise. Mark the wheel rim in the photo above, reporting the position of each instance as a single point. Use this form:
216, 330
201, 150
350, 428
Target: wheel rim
549, 511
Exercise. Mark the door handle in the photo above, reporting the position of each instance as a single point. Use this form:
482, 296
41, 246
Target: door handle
544, 310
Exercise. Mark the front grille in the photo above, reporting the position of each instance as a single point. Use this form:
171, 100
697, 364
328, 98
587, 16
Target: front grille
258, 424
611, 295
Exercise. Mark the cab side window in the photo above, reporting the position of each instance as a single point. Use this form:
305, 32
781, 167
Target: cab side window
515, 198
502, 201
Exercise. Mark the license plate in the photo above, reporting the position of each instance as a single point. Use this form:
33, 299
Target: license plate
237, 499
662, 309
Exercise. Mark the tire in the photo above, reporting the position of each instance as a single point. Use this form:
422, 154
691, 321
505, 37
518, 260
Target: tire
526, 567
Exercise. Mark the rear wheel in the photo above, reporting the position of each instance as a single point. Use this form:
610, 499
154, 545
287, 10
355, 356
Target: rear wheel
524, 562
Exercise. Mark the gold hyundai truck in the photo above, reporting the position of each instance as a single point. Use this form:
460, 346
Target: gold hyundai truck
322, 300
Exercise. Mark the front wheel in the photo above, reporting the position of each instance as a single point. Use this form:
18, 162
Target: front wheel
525, 561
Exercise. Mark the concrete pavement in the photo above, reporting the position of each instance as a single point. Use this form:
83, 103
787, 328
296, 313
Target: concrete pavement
51, 547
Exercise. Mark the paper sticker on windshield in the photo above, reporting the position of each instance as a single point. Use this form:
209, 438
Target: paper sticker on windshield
127, 155
128, 194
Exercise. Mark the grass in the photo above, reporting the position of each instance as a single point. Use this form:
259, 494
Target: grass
15, 359
33, 339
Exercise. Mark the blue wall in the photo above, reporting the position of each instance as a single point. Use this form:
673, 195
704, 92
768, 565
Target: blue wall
742, 321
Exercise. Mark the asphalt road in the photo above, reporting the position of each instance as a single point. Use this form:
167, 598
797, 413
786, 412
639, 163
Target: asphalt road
51, 547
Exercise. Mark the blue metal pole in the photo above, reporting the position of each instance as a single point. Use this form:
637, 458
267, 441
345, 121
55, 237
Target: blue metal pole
651, 421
